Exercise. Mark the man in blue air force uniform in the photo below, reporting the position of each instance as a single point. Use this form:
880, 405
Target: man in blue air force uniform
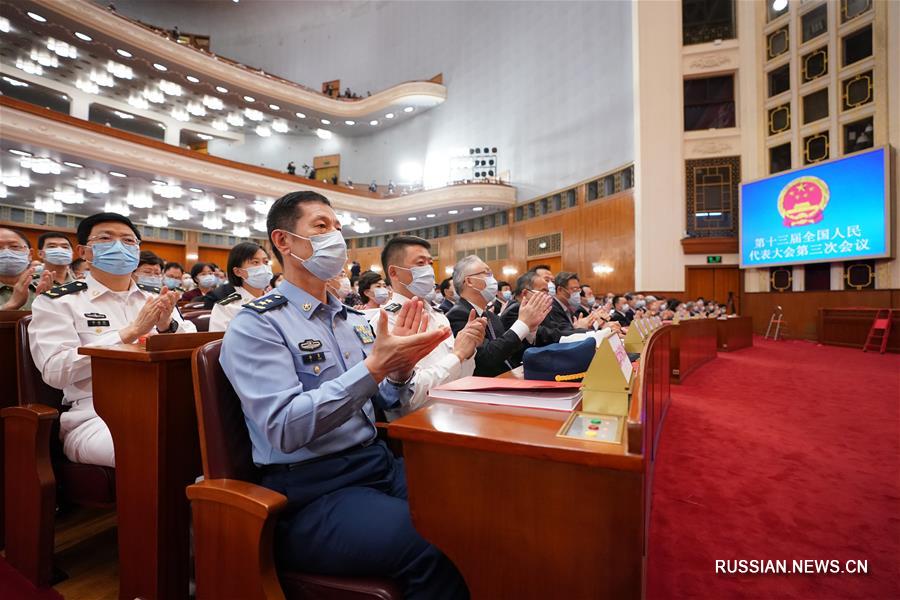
308, 371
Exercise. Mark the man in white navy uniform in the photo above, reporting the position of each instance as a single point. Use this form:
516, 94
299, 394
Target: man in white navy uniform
104, 309
406, 261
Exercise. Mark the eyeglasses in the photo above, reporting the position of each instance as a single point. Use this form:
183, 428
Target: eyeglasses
105, 238
15, 247
485, 273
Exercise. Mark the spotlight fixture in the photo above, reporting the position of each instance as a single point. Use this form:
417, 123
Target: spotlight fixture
389, 116
350, 122
373, 122
388, 220
249, 98
408, 109
300, 115
73, 165
228, 196
117, 174
37, 17
453, 212
274, 107
325, 121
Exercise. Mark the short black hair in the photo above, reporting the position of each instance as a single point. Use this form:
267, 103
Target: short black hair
77, 262
564, 277
173, 265
585, 285
285, 212
395, 246
616, 300
149, 258
502, 284
367, 280
84, 228
20, 234
544, 267
237, 256
524, 282
49, 235
629, 297
445, 285
195, 270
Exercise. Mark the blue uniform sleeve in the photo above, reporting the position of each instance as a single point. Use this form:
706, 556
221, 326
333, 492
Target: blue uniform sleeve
261, 369
392, 396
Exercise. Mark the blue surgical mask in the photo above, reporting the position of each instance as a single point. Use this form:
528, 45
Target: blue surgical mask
423, 281
329, 254
589, 300
150, 280
382, 295
172, 282
115, 257
506, 295
12, 263
551, 288
208, 281
58, 256
259, 276
574, 299
490, 288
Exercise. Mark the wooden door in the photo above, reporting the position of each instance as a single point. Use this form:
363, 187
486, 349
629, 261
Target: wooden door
713, 283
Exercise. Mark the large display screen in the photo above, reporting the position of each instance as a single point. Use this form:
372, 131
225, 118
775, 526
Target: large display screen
830, 212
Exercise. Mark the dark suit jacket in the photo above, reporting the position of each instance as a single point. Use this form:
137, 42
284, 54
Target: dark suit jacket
623, 319
556, 324
445, 306
493, 355
219, 293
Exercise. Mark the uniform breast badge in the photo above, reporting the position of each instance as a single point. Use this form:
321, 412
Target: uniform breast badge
364, 333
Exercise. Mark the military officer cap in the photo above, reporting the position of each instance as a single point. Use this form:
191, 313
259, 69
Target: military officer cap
559, 362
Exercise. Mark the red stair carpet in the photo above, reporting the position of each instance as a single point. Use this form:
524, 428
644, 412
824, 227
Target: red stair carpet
15, 587
787, 450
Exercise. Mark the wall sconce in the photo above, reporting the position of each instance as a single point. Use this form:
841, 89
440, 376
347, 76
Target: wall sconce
602, 269
509, 271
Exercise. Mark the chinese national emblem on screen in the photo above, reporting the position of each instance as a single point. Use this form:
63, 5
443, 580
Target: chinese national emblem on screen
803, 201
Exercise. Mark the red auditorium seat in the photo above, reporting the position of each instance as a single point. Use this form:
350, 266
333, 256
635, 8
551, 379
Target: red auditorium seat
234, 518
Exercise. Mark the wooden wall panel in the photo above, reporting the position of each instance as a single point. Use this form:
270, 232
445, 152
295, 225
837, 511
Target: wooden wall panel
167, 252
801, 309
214, 255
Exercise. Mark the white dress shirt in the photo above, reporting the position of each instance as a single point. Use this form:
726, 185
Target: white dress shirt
438, 367
222, 314
91, 317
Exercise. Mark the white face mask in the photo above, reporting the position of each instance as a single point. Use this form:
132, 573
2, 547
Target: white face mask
490, 287
150, 280
13, 263
589, 300
208, 281
345, 288
329, 254
423, 281
551, 288
58, 256
258, 276
382, 295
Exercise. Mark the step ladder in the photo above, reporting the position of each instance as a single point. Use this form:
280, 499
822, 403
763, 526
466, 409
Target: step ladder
881, 328
777, 319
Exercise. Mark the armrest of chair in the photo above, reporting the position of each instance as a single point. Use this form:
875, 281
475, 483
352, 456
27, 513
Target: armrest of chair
234, 523
30, 488
395, 445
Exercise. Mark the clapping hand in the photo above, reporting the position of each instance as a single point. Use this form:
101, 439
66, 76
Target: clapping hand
398, 354
534, 308
166, 299
470, 337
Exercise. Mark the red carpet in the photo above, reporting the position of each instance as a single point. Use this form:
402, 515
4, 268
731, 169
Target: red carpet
15, 587
786, 450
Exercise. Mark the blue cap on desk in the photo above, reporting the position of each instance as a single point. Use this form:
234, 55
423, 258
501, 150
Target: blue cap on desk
559, 362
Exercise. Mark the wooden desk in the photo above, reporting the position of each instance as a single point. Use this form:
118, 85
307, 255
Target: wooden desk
525, 514
850, 326
146, 398
693, 343
10, 379
734, 334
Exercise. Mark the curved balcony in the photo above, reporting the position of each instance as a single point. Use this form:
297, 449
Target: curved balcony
140, 163
105, 35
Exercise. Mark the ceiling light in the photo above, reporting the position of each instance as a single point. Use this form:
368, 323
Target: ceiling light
431, 215
235, 215
453, 212
196, 109
389, 116
122, 115
204, 204
16, 178
323, 134
178, 213
280, 126
253, 114
154, 96
29, 67
124, 53
44, 58
249, 98
325, 121
262, 207
168, 191
102, 78
228, 196
157, 220
300, 115
119, 70
139, 200
221, 90
117, 207
138, 102
40, 165
62, 49
259, 225
388, 220
274, 107
14, 82
410, 218
73, 165
235, 120
212, 222
204, 137
478, 209
169, 88
19, 152
361, 227
350, 122
48, 205
192, 79
179, 114
94, 183
213, 103
408, 109
196, 190
83, 36
373, 122
160, 67
779, 5
117, 174
220, 125
263, 131
4, 28
68, 195
36, 17
159, 182
241, 231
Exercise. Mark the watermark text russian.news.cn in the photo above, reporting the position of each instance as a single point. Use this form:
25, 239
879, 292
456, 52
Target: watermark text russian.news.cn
808, 566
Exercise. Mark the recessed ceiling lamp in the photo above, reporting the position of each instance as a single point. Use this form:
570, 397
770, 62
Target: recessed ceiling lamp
373, 122
196, 190
350, 122
74, 165
221, 90
117, 174
19, 152
228, 196
280, 126
388, 220
408, 109
453, 212
124, 53
192, 79
37, 17
389, 116
431, 215
249, 98
83, 37
410, 218
159, 182
325, 121
160, 67
274, 107
323, 134
300, 115
478, 209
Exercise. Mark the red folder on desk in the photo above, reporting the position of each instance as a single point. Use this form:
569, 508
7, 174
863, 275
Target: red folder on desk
551, 395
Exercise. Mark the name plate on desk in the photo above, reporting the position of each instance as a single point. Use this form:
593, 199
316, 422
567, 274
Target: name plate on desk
606, 386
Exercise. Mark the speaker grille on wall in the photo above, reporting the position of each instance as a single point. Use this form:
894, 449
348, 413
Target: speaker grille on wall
781, 278
545, 244
859, 275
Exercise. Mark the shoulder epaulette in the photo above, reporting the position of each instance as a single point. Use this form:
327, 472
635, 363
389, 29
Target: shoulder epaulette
65, 289
148, 288
265, 303
229, 299
393, 307
352, 310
